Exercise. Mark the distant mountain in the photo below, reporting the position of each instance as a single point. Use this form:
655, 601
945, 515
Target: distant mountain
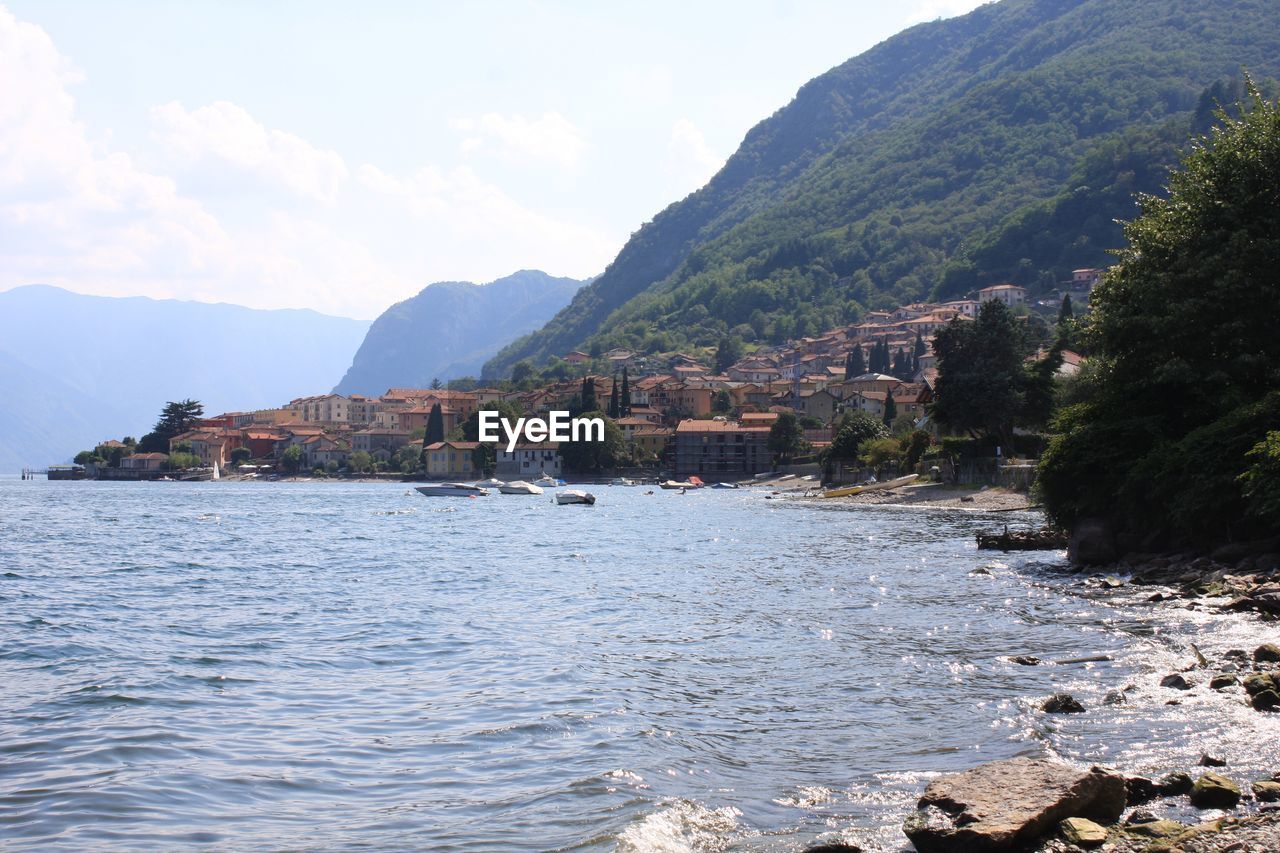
77, 369
948, 156
451, 328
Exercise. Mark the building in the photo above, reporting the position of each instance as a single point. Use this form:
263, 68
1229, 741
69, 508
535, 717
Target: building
721, 449
528, 461
380, 439
144, 461
1010, 294
451, 460
325, 408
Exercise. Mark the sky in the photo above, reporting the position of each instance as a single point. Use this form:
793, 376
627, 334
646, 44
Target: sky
342, 156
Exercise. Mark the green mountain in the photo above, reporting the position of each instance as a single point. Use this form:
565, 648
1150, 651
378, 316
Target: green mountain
450, 328
1000, 145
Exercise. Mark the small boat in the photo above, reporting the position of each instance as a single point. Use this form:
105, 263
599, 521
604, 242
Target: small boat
547, 480
724, 485
451, 490
575, 496
519, 487
491, 483
869, 487
621, 481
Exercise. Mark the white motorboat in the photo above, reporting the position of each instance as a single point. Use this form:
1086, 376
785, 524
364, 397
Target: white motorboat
546, 480
621, 481
451, 490
724, 485
575, 496
519, 487
491, 483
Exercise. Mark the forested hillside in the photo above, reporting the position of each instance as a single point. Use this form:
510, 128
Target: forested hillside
1001, 145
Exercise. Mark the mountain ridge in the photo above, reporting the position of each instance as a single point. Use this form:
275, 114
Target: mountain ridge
450, 328
921, 147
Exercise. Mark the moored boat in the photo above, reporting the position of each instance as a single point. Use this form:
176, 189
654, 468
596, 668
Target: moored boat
724, 485
547, 480
491, 483
869, 487
451, 490
519, 487
575, 496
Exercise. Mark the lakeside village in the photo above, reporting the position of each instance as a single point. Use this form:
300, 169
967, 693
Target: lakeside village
773, 409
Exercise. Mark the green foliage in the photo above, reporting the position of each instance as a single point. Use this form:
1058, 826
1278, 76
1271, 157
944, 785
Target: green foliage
722, 403
997, 146
407, 459
241, 455
175, 419
470, 428
360, 462
917, 443
292, 458
594, 456
855, 429
728, 351
1261, 482
1188, 378
890, 409
982, 384
786, 438
879, 452
179, 461
88, 457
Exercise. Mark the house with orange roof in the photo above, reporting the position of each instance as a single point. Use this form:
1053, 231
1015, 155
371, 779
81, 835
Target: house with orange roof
451, 460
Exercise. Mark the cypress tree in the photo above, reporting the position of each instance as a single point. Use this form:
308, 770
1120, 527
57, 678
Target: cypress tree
1066, 313
435, 426
920, 348
589, 403
624, 405
890, 408
613, 399
855, 364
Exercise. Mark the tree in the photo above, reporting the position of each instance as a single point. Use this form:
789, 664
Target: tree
981, 380
855, 364
625, 403
890, 408
728, 352
588, 396
484, 459
292, 458
521, 372
854, 429
786, 438
241, 455
360, 462
920, 350
470, 430
1065, 313
88, 457
614, 412
1187, 380
435, 384
434, 432
175, 419
408, 459
722, 403
593, 456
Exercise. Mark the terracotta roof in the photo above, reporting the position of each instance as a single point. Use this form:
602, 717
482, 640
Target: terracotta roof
717, 426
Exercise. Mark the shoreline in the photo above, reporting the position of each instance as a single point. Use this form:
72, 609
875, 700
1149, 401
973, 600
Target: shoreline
935, 495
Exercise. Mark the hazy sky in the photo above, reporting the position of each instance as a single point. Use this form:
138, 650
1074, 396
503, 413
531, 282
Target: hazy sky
341, 156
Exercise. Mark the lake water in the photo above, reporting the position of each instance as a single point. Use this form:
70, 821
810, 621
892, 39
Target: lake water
339, 665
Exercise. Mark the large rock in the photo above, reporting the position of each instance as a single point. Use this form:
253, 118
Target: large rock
1005, 805
1083, 832
1267, 653
1092, 542
1213, 791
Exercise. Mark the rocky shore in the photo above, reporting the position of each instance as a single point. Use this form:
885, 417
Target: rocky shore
1040, 804
984, 499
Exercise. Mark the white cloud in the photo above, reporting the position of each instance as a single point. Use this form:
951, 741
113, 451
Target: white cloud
75, 213
550, 140
690, 162
482, 230
225, 132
